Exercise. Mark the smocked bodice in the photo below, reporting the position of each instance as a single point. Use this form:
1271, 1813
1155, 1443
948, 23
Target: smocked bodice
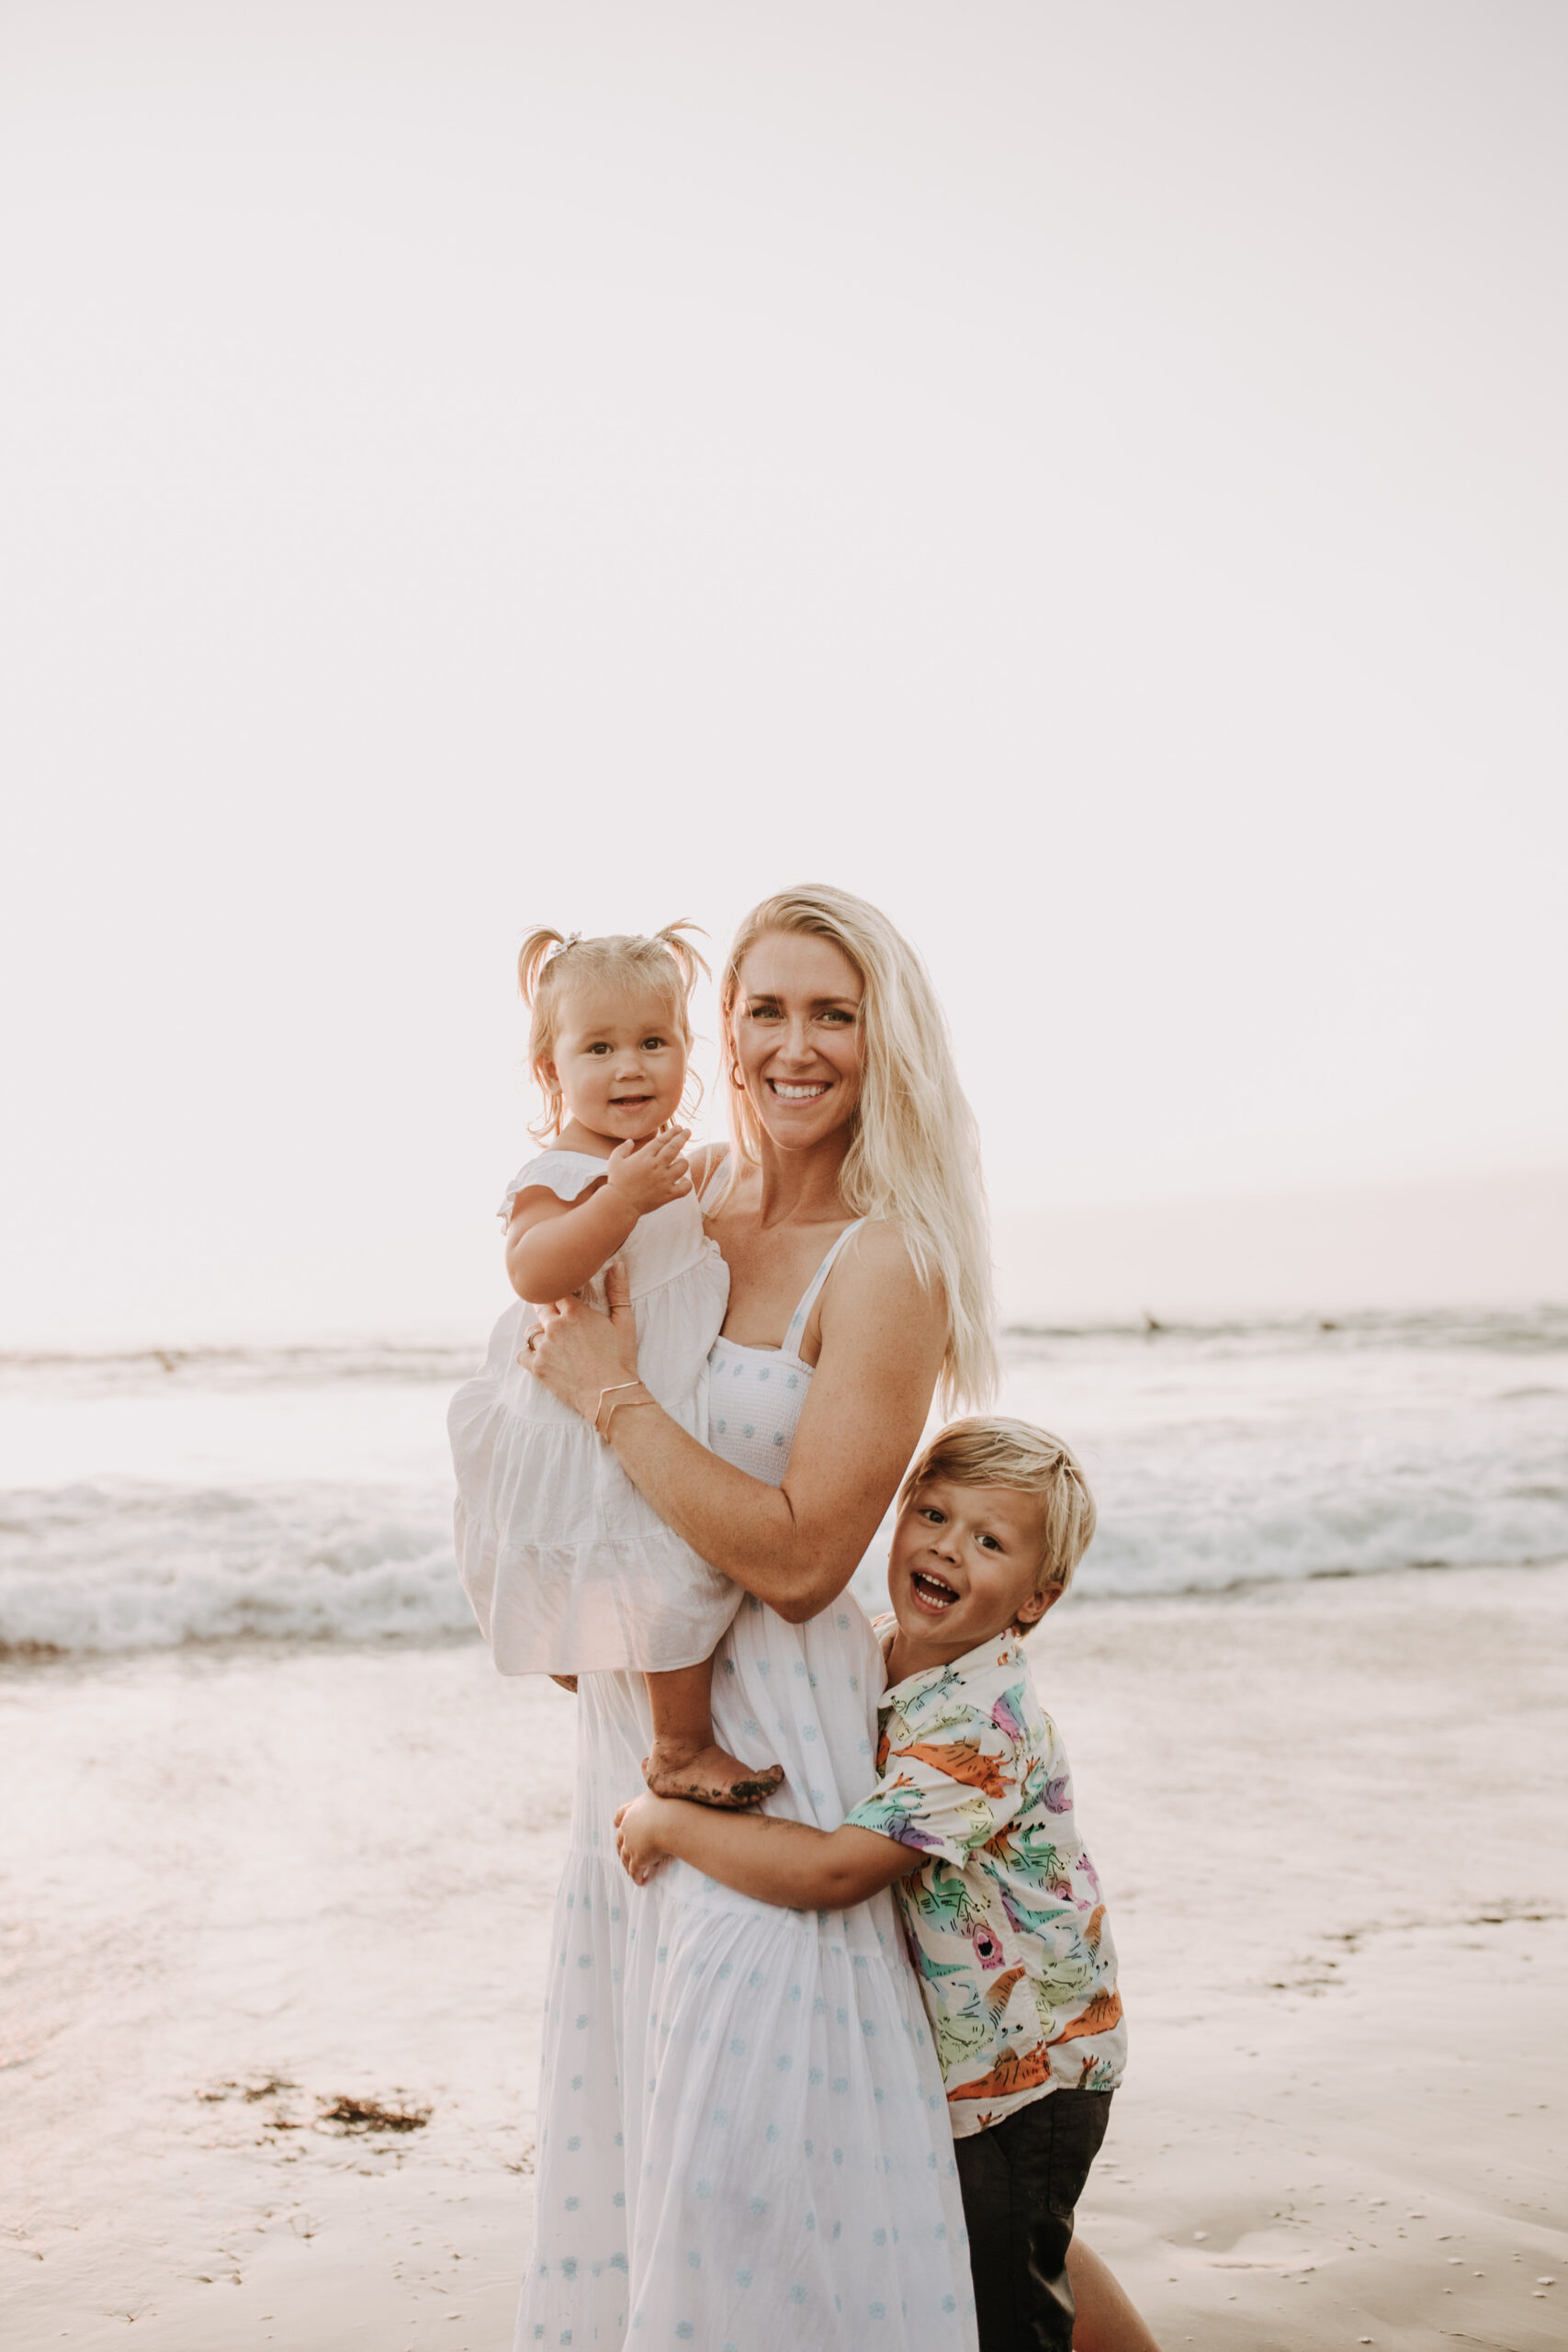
756, 1395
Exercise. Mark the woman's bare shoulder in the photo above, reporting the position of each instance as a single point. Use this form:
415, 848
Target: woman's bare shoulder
881, 1247
882, 1329
877, 1266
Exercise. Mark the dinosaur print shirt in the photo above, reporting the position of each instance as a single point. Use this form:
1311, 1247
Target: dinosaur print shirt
1004, 1919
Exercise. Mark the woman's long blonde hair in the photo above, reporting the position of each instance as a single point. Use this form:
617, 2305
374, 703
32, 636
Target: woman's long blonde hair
914, 1155
548, 964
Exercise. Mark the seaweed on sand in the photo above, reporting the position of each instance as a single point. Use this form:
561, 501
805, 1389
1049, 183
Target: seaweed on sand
369, 2115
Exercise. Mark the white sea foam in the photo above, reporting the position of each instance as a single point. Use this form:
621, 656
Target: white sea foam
147, 1502
115, 1565
1260, 1452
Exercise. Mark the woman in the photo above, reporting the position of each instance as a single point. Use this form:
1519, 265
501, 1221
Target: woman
743, 2138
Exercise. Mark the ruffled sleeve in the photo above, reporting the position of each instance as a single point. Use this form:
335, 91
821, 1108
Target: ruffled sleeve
567, 1174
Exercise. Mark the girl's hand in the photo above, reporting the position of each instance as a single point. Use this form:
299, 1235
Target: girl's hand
646, 1175
638, 1841
577, 1354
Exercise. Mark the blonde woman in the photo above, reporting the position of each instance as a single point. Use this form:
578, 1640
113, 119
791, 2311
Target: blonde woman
743, 2140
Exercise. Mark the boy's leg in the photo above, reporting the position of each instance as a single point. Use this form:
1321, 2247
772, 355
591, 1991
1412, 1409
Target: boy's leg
1105, 2318
1021, 2179
685, 1761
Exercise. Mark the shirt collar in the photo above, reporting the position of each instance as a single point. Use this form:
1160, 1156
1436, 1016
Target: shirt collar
1001, 1650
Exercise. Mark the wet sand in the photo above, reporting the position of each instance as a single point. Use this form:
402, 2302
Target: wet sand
241, 1887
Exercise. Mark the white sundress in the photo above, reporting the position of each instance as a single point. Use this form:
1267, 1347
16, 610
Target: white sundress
743, 2139
568, 1569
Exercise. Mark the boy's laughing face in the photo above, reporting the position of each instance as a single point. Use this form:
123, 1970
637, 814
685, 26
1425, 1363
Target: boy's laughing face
963, 1569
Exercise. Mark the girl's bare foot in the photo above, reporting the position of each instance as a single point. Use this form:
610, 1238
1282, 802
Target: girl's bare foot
708, 1775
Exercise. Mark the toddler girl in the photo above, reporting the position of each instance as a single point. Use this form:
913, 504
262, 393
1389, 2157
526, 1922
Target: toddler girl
569, 1570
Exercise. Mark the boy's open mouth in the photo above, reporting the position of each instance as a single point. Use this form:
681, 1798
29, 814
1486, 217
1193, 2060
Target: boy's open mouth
931, 1592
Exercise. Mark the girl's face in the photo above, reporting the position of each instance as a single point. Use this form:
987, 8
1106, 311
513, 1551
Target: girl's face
797, 1035
619, 1060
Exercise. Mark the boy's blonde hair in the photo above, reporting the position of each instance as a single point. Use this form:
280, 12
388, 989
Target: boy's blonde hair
914, 1155
549, 964
990, 1452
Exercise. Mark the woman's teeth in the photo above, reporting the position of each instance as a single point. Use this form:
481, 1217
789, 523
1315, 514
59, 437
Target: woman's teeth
798, 1093
931, 1590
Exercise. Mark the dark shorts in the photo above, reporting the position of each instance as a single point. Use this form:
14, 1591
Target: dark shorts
1021, 2179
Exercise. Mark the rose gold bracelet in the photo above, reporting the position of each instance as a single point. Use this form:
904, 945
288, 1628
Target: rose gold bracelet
615, 1389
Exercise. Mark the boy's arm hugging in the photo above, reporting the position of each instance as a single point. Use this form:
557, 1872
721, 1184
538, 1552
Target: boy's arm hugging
554, 1247
919, 1813
760, 1854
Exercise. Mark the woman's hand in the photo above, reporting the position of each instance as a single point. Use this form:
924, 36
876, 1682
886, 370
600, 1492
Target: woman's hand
637, 1839
577, 1354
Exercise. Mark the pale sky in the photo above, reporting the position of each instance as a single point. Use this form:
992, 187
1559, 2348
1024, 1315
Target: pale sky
1093, 482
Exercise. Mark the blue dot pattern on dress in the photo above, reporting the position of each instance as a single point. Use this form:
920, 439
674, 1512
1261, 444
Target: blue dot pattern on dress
786, 2099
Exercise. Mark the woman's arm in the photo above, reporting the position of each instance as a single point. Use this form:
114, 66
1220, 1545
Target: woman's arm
553, 1247
787, 1862
795, 1546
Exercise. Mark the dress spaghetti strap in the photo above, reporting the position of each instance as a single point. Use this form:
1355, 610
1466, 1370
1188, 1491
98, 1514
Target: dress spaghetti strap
796, 1332
711, 1191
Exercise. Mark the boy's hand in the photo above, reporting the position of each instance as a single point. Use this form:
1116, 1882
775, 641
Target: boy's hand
637, 1841
646, 1175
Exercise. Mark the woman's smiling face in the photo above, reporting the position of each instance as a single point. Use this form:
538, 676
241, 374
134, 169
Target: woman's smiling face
797, 1038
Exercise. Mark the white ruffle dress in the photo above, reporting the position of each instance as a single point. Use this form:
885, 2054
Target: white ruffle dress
568, 1570
743, 2140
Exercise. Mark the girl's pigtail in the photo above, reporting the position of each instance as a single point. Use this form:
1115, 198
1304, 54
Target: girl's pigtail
534, 959
688, 962
534, 955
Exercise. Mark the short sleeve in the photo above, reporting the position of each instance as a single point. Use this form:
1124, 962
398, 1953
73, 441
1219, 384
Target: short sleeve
948, 1794
567, 1174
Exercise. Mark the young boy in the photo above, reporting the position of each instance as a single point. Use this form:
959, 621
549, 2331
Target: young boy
972, 1818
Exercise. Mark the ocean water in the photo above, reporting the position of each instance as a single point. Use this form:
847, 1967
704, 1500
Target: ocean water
152, 1500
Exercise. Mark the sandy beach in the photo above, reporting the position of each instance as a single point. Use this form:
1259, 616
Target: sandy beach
245, 1886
